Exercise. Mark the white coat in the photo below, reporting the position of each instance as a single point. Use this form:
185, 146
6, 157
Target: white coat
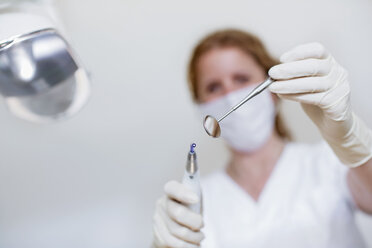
305, 203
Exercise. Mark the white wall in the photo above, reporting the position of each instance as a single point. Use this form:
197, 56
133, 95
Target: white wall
92, 181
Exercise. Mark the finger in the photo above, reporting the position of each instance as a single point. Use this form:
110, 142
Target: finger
306, 98
183, 215
164, 238
301, 85
182, 232
180, 192
186, 234
159, 229
309, 50
301, 68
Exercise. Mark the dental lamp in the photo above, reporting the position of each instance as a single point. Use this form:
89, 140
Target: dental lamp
41, 78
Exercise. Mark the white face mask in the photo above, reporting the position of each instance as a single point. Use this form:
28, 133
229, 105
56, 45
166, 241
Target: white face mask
249, 127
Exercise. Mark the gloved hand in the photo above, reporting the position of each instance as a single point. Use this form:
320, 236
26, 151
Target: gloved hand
310, 75
174, 224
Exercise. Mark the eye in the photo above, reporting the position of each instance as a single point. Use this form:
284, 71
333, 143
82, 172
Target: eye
213, 87
242, 78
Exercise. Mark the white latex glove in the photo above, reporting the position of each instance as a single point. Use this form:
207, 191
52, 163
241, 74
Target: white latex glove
310, 75
174, 224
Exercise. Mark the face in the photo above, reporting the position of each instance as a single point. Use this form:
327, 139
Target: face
223, 70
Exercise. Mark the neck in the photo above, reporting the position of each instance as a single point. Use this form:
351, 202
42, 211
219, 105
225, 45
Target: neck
254, 168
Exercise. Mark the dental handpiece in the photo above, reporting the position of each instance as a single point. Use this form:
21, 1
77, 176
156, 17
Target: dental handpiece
191, 178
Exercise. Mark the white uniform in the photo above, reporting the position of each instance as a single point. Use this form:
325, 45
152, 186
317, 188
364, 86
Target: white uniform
305, 203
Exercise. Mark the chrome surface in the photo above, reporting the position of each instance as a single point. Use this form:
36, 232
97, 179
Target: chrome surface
211, 124
39, 75
191, 165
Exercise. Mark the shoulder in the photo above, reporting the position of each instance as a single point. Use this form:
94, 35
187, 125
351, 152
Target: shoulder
217, 185
318, 166
314, 155
315, 160
213, 179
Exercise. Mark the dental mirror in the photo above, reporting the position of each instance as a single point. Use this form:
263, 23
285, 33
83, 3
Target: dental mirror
212, 125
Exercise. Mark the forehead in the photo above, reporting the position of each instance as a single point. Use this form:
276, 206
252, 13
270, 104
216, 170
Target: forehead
223, 60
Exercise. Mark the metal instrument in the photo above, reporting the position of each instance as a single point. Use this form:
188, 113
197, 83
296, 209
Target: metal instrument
191, 178
211, 124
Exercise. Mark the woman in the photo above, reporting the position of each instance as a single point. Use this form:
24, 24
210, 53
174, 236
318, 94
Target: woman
272, 193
